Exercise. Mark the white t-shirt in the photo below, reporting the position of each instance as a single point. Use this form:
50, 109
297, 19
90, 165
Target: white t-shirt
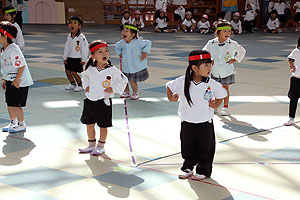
295, 54
11, 60
298, 5
162, 23
98, 80
204, 25
254, 2
77, 47
271, 6
139, 21
161, 5
19, 40
236, 26
280, 7
128, 21
250, 15
200, 93
188, 23
273, 24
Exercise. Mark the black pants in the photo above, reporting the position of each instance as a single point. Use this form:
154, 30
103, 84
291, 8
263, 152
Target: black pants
249, 26
294, 94
19, 19
198, 146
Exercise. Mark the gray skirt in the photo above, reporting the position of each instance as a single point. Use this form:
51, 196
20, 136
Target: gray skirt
228, 80
138, 76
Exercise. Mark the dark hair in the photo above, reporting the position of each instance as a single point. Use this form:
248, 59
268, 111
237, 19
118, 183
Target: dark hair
222, 23
298, 45
189, 73
91, 61
80, 21
12, 14
219, 15
132, 31
8, 27
274, 11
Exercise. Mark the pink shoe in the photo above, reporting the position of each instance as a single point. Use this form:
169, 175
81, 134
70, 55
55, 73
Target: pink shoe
134, 96
125, 95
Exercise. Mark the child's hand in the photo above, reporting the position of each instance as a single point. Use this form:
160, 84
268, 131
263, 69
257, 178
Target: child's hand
212, 103
4, 84
232, 61
87, 89
65, 62
174, 98
144, 55
16, 83
293, 69
109, 90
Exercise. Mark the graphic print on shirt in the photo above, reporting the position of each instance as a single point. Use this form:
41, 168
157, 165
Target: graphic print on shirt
18, 62
77, 48
208, 94
227, 56
107, 82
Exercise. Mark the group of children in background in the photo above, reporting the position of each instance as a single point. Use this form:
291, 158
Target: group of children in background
210, 72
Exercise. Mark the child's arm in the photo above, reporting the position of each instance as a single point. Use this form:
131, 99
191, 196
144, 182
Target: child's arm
85, 50
172, 97
291, 64
142, 24
119, 48
146, 48
17, 81
66, 50
3, 84
215, 103
119, 84
241, 52
85, 81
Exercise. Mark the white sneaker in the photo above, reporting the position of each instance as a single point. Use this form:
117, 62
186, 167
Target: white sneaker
78, 89
70, 87
205, 32
98, 151
88, 149
198, 177
17, 128
9, 126
125, 95
185, 174
290, 122
134, 96
224, 112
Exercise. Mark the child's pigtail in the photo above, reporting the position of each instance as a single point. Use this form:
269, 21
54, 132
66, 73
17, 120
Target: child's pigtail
187, 83
89, 62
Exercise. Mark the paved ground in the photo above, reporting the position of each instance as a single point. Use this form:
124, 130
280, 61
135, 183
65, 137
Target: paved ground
257, 158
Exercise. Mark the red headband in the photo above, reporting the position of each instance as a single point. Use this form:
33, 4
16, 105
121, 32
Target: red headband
6, 33
98, 46
199, 57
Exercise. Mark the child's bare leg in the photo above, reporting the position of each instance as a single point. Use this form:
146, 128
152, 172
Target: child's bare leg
90, 128
134, 86
77, 77
69, 76
103, 134
20, 114
157, 30
12, 113
226, 100
127, 90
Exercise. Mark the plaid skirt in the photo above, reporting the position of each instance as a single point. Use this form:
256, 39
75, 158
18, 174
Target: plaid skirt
138, 76
228, 80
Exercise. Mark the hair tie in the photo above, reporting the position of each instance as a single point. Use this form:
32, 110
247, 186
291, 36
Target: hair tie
6, 33
199, 57
98, 46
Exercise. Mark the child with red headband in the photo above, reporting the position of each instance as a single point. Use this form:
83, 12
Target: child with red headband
75, 54
199, 96
133, 52
100, 81
10, 14
16, 78
224, 52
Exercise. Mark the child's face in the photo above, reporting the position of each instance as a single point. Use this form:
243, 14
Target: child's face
3, 39
162, 14
126, 15
188, 16
224, 34
273, 16
203, 19
74, 26
8, 17
101, 55
127, 35
203, 70
235, 18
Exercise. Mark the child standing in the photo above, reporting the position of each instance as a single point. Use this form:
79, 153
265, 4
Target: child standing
138, 21
273, 23
199, 96
161, 23
133, 52
126, 18
297, 14
10, 15
249, 18
294, 92
16, 78
203, 25
270, 7
224, 52
280, 7
189, 24
100, 80
236, 23
75, 54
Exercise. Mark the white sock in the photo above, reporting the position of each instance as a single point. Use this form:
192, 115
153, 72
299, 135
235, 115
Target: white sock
14, 121
21, 123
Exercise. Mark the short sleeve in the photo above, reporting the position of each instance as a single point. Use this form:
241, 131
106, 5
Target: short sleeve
17, 59
220, 92
293, 54
176, 85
